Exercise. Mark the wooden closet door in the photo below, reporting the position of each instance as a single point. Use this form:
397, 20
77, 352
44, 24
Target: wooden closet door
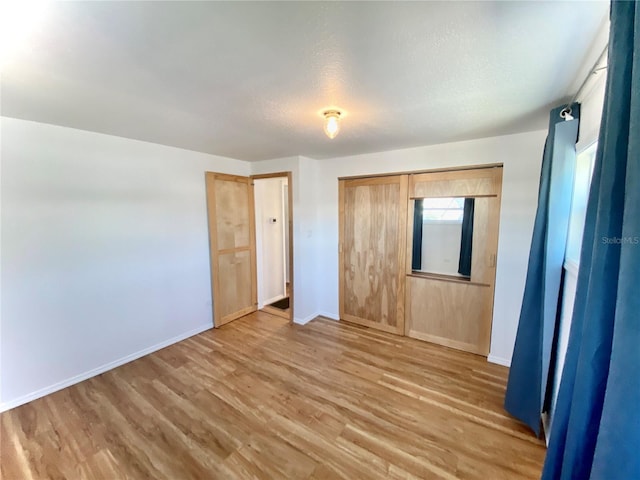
230, 207
443, 309
373, 216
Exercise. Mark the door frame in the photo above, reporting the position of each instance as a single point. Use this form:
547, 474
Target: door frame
288, 176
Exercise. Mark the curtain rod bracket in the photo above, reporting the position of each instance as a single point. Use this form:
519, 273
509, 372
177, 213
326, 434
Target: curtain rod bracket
566, 113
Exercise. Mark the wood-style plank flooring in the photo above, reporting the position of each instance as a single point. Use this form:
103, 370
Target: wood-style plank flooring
261, 399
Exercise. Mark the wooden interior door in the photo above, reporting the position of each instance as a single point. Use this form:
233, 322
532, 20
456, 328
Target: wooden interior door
444, 309
373, 216
230, 208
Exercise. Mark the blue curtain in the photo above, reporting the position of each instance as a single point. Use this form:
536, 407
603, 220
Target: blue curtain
528, 375
466, 238
596, 426
416, 259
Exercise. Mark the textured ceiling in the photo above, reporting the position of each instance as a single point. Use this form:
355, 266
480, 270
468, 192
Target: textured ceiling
249, 80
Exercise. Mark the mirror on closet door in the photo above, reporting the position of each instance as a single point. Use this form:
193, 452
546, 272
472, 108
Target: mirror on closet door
443, 236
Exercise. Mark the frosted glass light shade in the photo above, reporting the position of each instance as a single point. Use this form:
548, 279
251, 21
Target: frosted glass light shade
331, 123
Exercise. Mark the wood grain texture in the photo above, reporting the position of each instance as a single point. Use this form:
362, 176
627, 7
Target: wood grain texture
260, 398
232, 245
372, 251
454, 314
416, 172
493, 229
458, 183
232, 213
481, 269
442, 310
234, 294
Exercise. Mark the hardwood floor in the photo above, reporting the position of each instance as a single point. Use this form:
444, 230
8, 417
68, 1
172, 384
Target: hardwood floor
261, 399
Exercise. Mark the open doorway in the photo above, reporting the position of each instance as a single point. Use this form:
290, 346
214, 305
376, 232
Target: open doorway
274, 238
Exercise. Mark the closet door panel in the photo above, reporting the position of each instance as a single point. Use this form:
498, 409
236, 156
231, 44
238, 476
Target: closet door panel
372, 254
234, 293
455, 309
450, 313
481, 263
457, 183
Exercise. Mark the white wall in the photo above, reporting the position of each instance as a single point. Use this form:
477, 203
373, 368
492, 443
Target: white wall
591, 112
521, 156
270, 240
104, 252
441, 247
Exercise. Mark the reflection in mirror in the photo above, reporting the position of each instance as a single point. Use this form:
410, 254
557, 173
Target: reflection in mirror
443, 236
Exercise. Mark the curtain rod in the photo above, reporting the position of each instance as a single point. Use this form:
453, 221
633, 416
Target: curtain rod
566, 111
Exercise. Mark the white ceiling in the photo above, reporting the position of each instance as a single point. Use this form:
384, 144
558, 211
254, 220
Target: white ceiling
248, 80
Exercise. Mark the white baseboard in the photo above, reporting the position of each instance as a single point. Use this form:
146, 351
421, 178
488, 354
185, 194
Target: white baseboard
304, 321
4, 406
499, 360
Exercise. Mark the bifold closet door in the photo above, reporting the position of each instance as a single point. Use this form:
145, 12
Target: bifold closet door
232, 243
373, 216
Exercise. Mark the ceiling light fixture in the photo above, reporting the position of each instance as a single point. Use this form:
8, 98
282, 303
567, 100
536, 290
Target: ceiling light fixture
331, 123
20, 21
